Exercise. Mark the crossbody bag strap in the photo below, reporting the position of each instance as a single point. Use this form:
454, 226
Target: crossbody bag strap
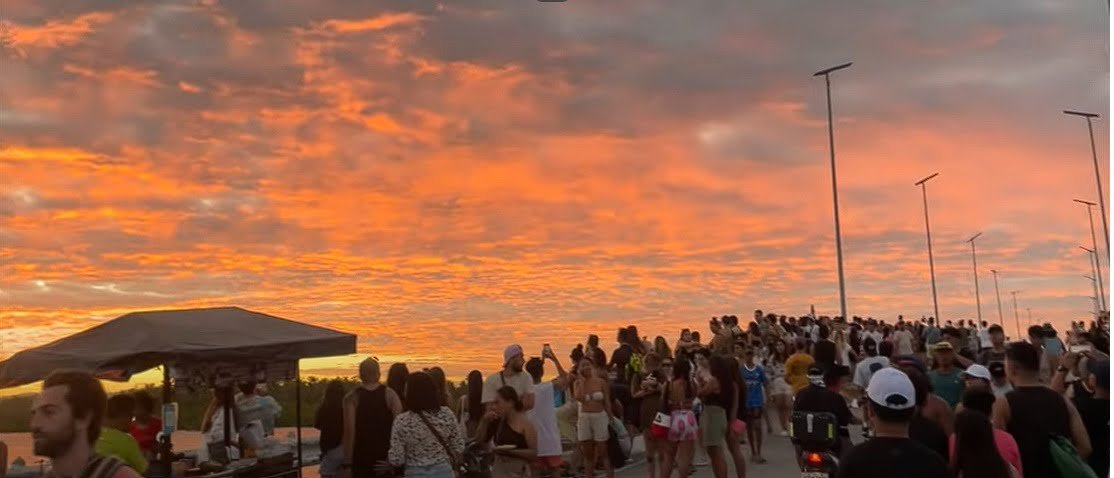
440, 439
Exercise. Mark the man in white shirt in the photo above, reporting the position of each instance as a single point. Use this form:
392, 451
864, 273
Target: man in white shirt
873, 362
512, 376
544, 415
984, 337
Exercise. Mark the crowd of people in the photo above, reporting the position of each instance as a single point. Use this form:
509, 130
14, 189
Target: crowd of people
934, 400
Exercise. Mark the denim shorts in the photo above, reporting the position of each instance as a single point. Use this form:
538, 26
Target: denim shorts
440, 470
331, 462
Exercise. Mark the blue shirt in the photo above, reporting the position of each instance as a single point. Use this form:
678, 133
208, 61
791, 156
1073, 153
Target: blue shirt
755, 379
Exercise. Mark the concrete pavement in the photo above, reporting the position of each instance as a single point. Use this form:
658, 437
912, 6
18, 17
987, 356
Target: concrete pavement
778, 451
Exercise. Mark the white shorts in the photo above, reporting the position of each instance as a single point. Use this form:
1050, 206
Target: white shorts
780, 387
592, 427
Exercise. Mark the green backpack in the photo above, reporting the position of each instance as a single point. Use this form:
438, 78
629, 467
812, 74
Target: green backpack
1067, 460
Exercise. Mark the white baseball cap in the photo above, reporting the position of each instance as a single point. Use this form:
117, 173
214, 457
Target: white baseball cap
977, 371
891, 388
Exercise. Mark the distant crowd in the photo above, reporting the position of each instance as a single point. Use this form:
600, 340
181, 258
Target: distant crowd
934, 400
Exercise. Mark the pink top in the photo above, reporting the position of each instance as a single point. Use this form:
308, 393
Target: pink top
1007, 447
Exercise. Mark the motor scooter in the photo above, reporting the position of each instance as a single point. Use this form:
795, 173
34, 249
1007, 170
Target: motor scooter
816, 436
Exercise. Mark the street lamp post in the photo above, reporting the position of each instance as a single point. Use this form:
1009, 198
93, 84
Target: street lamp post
1030, 312
998, 294
835, 192
928, 234
1016, 317
1095, 250
975, 266
1093, 258
1095, 298
1098, 174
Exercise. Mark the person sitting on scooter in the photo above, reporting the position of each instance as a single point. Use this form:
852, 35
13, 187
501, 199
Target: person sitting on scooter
891, 404
818, 398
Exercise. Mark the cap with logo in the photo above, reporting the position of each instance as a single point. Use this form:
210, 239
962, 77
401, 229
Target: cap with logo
891, 388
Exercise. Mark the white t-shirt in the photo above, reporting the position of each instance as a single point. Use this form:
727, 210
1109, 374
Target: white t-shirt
984, 338
544, 418
903, 342
865, 370
521, 382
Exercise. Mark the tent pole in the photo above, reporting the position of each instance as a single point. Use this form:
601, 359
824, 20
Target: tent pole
165, 445
298, 411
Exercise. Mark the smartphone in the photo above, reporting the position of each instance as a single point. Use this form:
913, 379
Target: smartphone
1078, 349
546, 350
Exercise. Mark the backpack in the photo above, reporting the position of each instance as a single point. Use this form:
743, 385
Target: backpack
634, 367
1067, 460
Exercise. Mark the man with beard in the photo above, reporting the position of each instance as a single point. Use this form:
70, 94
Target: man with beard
66, 421
512, 376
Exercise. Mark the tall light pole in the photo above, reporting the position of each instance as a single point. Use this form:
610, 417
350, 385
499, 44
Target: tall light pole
1095, 249
835, 191
928, 234
1016, 317
1098, 174
998, 294
1030, 312
1093, 258
975, 265
1095, 298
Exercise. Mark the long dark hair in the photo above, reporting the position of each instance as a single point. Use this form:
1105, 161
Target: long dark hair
682, 370
331, 410
421, 393
396, 379
438, 376
976, 454
475, 395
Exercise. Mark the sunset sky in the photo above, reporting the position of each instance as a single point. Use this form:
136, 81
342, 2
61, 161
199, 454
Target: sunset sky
447, 178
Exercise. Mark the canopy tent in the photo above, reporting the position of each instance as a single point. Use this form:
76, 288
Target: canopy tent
197, 343
140, 341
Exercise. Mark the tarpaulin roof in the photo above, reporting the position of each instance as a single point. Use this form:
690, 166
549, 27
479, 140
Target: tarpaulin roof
140, 341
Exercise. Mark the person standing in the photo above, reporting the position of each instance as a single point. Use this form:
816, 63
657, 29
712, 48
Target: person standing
516, 441
425, 439
512, 375
65, 424
594, 396
797, 365
983, 402
471, 404
1033, 413
931, 334
329, 420
369, 414
903, 340
146, 427
647, 388
780, 393
544, 413
115, 440
683, 432
976, 452
755, 381
945, 377
891, 404
252, 406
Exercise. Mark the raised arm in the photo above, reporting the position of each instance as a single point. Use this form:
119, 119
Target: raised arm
1079, 436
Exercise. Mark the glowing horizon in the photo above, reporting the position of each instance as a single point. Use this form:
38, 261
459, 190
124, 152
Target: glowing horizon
444, 179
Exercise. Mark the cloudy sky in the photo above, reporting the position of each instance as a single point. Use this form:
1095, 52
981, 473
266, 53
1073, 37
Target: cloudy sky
445, 178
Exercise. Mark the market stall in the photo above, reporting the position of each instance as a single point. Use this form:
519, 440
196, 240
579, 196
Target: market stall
200, 348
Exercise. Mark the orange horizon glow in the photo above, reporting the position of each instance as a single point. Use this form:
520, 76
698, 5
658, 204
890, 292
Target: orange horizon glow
446, 179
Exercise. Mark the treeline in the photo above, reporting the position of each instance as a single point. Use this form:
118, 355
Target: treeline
16, 411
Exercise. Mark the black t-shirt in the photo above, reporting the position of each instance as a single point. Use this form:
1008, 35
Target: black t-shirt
890, 458
620, 358
824, 352
817, 399
989, 356
928, 433
1095, 413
